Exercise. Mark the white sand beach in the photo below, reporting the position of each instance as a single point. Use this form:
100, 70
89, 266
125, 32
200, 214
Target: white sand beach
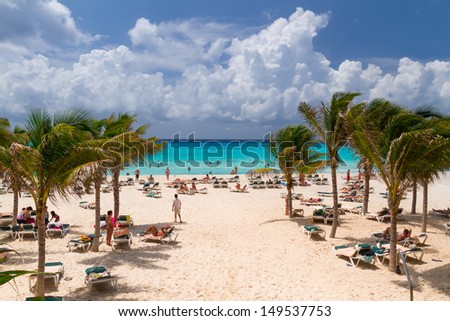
236, 246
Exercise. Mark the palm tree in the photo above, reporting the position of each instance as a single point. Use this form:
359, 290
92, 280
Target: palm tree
124, 146
328, 121
376, 114
7, 138
406, 152
290, 146
432, 170
50, 162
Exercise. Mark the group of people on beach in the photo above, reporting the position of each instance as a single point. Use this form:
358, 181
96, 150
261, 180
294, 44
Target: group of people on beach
110, 221
27, 215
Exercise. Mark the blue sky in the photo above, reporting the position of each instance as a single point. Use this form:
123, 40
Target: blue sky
221, 69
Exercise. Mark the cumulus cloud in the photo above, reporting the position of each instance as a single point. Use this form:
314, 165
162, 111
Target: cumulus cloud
177, 45
30, 26
195, 72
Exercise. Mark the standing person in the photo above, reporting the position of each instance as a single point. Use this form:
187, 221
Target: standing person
348, 176
54, 217
137, 172
109, 227
176, 208
46, 215
167, 173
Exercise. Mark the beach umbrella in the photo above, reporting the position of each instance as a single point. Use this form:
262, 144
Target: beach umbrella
263, 172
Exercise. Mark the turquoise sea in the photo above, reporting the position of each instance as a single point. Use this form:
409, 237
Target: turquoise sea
219, 157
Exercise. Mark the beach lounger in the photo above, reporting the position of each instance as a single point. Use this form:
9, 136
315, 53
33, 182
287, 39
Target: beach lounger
97, 275
311, 201
310, 230
323, 215
121, 236
57, 228
325, 194
84, 242
53, 271
411, 251
203, 190
27, 229
9, 230
6, 218
154, 194
356, 254
124, 221
168, 237
84, 204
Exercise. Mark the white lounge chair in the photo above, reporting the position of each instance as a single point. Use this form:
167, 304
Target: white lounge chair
356, 254
168, 237
97, 275
310, 230
57, 228
121, 236
53, 270
27, 229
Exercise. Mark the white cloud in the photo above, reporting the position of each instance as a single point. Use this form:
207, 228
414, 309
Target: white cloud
30, 26
193, 71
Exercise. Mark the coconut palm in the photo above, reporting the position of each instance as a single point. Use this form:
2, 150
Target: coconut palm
125, 146
377, 114
8, 137
291, 146
406, 152
432, 170
50, 162
328, 122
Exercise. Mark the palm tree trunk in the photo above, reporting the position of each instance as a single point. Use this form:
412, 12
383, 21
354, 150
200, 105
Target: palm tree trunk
40, 283
425, 206
288, 177
414, 197
15, 206
335, 201
367, 174
393, 210
15, 187
97, 187
116, 192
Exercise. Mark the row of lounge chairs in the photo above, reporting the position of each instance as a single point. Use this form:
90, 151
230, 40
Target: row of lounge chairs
22, 230
383, 215
371, 254
54, 271
122, 236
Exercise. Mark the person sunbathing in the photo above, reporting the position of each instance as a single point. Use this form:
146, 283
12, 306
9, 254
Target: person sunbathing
404, 235
153, 230
183, 188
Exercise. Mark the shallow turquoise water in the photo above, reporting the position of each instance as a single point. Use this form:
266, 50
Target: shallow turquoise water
219, 157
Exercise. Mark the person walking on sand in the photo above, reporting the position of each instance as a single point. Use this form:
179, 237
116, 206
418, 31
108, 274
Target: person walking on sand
176, 208
109, 227
137, 172
167, 173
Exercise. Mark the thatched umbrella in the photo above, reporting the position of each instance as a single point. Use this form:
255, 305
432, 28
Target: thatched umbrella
263, 172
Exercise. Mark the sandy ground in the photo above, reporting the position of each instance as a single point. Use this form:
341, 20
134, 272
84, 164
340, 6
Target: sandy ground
235, 246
